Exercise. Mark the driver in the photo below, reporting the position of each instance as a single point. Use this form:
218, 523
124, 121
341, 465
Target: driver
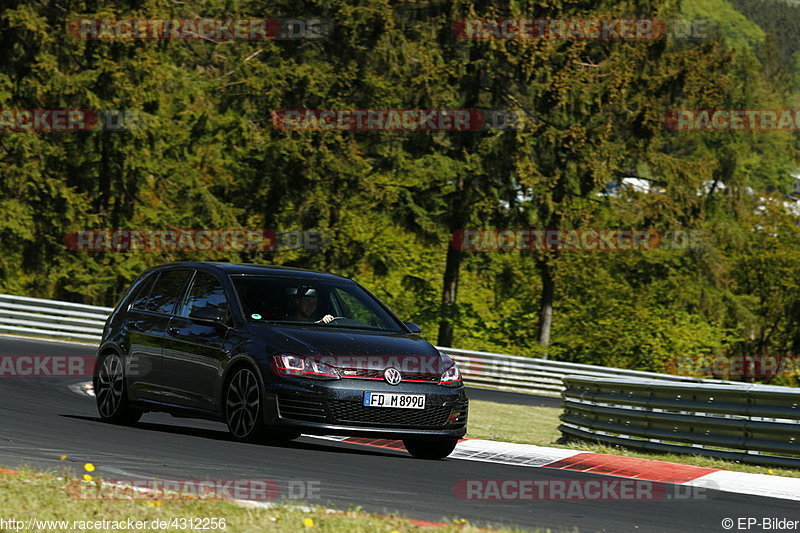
305, 306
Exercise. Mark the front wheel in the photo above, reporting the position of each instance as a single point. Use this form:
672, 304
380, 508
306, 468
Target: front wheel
243, 406
430, 449
110, 393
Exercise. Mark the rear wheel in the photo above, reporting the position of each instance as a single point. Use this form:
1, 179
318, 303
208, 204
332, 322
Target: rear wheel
110, 392
430, 449
243, 406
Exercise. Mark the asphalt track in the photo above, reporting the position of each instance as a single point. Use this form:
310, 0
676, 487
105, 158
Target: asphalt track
42, 419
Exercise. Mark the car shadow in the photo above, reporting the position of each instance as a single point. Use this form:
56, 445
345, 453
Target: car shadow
223, 435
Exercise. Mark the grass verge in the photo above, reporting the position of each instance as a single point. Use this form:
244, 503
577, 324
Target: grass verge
28, 495
539, 425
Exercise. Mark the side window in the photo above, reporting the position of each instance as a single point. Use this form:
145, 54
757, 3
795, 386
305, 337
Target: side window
206, 291
167, 291
142, 298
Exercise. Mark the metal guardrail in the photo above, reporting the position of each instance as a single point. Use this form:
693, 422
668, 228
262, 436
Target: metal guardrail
749, 423
54, 319
540, 376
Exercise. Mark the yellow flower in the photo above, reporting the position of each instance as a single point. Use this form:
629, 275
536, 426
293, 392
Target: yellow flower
308, 522
770, 471
89, 467
63, 457
87, 477
156, 503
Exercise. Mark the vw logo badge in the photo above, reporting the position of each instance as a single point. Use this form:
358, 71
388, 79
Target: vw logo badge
392, 376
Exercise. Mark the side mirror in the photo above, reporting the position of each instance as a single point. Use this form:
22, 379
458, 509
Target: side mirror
208, 314
415, 329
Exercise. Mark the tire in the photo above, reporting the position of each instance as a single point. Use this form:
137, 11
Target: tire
110, 392
430, 449
243, 406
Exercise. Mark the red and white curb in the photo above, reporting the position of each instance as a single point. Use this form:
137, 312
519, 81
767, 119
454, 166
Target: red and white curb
529, 455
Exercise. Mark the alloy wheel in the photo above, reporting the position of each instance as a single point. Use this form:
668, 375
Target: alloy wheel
110, 386
242, 403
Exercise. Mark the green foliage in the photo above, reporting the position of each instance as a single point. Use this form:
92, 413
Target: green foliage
737, 30
208, 156
777, 18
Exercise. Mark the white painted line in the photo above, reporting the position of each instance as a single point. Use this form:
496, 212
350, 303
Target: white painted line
509, 453
785, 488
327, 437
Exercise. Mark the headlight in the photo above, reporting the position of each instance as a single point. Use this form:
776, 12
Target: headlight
452, 376
303, 366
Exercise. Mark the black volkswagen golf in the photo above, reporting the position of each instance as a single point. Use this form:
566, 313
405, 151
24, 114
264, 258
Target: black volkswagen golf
275, 352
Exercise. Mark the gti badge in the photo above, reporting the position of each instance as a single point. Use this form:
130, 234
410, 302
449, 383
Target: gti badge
392, 376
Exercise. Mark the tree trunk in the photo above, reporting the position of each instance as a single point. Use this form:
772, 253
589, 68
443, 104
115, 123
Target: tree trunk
466, 186
546, 303
449, 295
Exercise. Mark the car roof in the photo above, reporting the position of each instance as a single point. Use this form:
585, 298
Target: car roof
250, 269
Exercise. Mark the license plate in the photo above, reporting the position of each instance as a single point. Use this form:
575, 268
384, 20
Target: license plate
393, 399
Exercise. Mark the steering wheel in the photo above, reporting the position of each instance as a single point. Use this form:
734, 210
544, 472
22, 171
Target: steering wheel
331, 321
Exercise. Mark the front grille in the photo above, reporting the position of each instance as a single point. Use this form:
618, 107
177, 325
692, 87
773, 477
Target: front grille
366, 373
421, 376
354, 412
301, 409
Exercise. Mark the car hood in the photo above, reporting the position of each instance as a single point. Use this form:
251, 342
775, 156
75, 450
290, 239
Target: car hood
359, 353
324, 341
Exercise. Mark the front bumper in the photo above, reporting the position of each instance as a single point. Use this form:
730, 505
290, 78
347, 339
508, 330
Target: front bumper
335, 408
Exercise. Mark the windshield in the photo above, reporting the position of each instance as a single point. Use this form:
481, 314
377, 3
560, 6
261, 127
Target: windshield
313, 302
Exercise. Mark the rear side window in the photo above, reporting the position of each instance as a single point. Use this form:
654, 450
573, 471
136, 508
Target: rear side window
167, 291
142, 298
206, 291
